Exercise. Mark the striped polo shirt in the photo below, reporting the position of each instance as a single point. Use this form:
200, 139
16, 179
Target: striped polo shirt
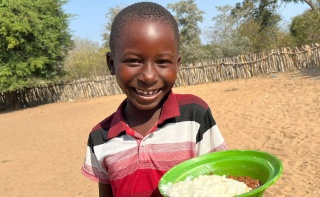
134, 164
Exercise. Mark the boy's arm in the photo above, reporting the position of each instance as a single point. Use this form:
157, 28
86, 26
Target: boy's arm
105, 190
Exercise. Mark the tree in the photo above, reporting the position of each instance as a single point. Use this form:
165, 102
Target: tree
223, 37
188, 16
259, 23
34, 40
305, 28
314, 4
85, 60
111, 14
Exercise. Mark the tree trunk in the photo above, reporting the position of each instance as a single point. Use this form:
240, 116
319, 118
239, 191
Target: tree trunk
314, 6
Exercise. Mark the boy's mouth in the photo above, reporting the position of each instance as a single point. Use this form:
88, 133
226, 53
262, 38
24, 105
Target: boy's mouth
146, 92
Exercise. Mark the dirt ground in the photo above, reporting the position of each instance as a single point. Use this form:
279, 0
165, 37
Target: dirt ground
42, 148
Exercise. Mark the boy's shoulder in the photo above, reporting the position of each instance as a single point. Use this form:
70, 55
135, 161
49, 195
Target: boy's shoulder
185, 99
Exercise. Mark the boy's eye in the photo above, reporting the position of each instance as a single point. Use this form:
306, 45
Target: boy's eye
133, 61
163, 62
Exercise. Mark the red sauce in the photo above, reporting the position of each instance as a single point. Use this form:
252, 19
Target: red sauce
250, 182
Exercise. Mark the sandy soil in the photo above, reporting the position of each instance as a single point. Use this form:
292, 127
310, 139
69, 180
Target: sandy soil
42, 148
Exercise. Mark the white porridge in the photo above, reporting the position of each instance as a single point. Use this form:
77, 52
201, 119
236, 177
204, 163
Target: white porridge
206, 186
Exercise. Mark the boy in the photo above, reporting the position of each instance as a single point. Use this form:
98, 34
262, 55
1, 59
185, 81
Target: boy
153, 129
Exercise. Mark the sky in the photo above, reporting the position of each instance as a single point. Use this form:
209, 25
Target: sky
90, 15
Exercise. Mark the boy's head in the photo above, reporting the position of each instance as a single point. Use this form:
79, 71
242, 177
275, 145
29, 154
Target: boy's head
143, 11
144, 55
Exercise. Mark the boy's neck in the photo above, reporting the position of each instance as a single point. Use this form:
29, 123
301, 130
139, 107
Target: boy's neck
141, 120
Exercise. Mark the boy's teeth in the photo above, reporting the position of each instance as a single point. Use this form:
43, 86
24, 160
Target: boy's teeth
146, 92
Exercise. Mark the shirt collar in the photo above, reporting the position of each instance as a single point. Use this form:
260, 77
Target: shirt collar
169, 109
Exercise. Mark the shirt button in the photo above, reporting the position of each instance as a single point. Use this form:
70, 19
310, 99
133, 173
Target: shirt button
142, 144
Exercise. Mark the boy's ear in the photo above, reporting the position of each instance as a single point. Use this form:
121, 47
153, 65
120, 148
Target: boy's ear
110, 63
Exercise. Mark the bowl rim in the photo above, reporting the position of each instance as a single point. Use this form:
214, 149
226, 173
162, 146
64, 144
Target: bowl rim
235, 151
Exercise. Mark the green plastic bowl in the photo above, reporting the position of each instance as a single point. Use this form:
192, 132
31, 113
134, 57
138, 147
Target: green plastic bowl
257, 164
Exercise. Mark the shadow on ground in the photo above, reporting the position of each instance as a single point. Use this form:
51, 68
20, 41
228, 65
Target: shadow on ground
313, 73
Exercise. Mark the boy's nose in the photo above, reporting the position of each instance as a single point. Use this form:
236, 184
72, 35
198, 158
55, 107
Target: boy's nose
148, 74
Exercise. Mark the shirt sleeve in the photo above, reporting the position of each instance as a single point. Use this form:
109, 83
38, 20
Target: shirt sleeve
210, 138
92, 167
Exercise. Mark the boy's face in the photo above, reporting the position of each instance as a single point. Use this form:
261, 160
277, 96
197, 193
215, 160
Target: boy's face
145, 62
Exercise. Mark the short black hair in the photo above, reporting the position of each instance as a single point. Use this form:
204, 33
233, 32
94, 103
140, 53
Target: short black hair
142, 11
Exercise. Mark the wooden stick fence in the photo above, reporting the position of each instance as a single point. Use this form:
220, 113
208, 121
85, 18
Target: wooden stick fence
243, 66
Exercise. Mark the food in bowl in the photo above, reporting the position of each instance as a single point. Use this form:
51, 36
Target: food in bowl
258, 165
206, 186
250, 182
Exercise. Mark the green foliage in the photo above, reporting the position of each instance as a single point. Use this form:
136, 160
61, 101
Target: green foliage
249, 27
188, 16
305, 28
259, 22
34, 40
86, 60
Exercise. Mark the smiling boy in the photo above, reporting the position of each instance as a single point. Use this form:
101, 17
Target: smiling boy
153, 129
